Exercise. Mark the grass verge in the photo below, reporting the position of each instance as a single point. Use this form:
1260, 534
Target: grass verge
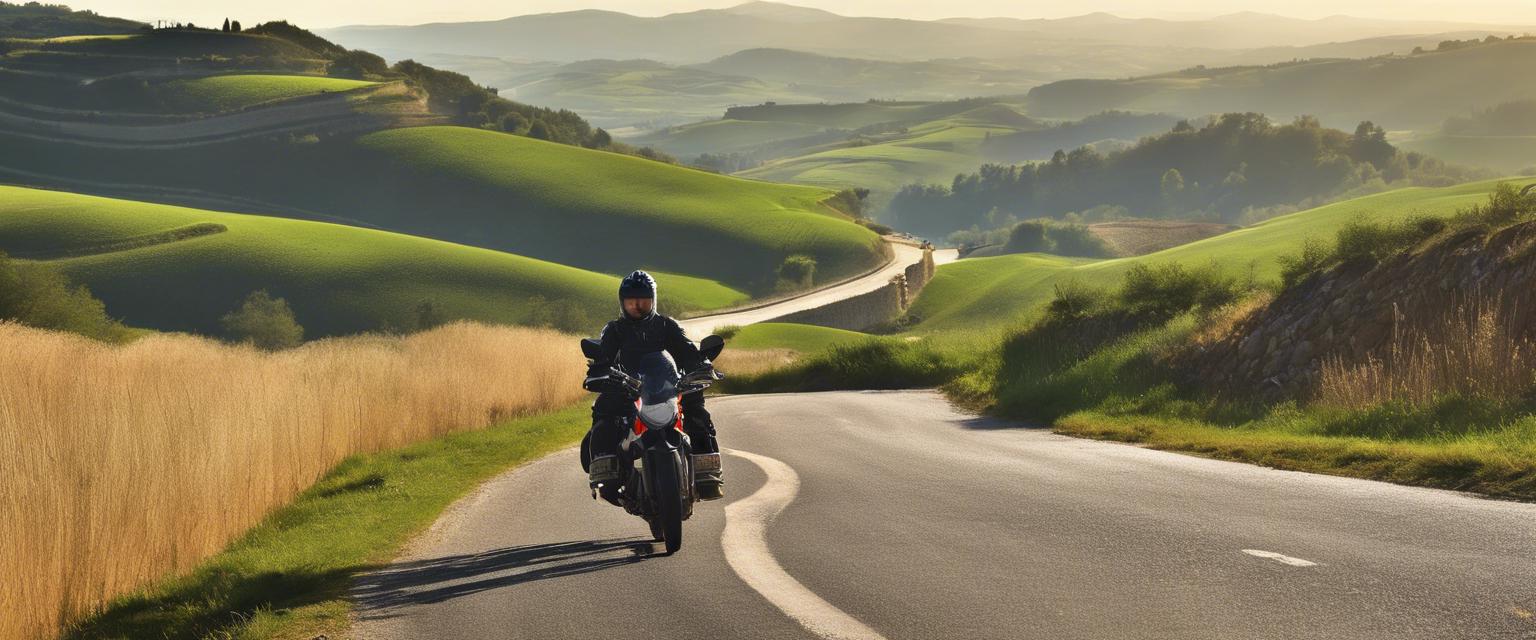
288, 577
1486, 463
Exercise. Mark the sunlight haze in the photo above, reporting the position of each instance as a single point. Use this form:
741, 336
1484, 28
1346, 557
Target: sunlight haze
329, 14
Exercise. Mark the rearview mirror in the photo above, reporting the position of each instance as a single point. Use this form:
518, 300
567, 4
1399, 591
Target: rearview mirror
711, 346
591, 348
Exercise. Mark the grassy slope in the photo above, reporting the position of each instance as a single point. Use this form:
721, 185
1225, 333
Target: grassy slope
289, 577
232, 92
723, 136
795, 337
994, 291
339, 279
932, 152
591, 209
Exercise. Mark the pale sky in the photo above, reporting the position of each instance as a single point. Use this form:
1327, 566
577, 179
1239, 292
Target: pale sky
330, 13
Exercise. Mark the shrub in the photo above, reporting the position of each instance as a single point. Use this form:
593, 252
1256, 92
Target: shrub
1071, 239
1505, 206
263, 321
1158, 293
796, 273
1313, 258
1075, 300
1028, 236
38, 296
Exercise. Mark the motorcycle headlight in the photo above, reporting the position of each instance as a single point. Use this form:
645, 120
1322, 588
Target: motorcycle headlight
659, 415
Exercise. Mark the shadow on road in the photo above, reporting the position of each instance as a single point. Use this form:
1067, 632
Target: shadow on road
433, 580
987, 423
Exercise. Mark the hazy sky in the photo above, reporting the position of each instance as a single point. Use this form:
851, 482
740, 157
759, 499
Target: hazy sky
328, 13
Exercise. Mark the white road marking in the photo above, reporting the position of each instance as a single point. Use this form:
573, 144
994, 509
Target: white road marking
746, 549
1295, 562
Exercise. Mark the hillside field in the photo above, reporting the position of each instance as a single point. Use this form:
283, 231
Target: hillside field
154, 269
990, 292
234, 92
590, 209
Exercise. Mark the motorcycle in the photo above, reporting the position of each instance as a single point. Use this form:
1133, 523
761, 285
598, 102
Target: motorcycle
658, 465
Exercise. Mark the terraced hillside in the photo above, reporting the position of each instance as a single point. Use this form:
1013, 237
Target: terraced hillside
176, 268
991, 292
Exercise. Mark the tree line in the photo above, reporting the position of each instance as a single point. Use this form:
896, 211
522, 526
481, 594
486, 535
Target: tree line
1235, 168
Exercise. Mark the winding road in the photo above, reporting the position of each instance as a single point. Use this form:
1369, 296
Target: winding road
890, 515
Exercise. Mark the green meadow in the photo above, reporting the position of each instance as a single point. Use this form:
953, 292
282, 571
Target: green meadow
175, 268
234, 92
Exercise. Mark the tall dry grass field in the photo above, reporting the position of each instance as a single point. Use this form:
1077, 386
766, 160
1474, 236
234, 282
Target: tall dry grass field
1478, 347
122, 464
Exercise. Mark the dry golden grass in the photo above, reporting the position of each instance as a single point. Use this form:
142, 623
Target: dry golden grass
1224, 321
752, 362
122, 464
1477, 348
1141, 237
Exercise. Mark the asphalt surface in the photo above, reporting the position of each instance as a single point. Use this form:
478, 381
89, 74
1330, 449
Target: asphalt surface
890, 515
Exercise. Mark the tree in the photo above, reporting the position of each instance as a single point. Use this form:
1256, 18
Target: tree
263, 321
1369, 144
1028, 237
234, 27
225, 28
600, 139
539, 130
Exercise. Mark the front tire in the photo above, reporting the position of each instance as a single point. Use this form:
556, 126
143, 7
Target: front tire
669, 500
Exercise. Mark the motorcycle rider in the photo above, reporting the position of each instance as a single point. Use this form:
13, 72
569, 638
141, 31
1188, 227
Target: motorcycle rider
640, 331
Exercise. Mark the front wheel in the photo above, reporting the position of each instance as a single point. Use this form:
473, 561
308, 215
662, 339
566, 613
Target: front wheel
669, 500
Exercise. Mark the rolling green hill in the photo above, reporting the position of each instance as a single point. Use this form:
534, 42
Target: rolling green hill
930, 152
175, 268
991, 292
214, 94
591, 209
1415, 91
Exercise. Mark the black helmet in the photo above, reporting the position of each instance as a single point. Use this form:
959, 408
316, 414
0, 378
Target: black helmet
637, 285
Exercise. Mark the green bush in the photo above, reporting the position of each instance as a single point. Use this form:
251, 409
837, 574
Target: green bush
263, 321
1158, 293
1313, 258
1028, 236
1074, 300
796, 273
38, 296
1072, 239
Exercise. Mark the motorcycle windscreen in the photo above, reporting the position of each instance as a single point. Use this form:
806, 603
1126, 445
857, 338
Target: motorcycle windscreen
658, 389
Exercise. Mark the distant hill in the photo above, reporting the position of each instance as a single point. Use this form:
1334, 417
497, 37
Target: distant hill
1502, 136
1231, 169
36, 20
1415, 91
701, 35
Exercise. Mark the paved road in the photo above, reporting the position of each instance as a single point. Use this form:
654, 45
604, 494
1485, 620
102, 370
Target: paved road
888, 515
904, 255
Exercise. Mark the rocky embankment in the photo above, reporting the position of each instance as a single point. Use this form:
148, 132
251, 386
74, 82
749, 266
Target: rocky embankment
1353, 311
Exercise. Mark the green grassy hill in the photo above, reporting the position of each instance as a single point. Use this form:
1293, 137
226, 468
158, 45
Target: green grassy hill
795, 337
991, 292
1399, 92
723, 136
930, 152
590, 209
175, 268
234, 92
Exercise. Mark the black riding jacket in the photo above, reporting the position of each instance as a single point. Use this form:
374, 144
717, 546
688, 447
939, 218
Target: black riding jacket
625, 340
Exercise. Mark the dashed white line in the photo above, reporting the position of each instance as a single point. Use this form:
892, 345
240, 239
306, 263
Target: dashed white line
1283, 559
746, 550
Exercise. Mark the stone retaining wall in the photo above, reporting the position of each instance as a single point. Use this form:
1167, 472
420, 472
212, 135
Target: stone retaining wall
881, 305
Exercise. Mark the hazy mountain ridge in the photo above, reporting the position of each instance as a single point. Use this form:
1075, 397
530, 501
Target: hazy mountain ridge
700, 35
